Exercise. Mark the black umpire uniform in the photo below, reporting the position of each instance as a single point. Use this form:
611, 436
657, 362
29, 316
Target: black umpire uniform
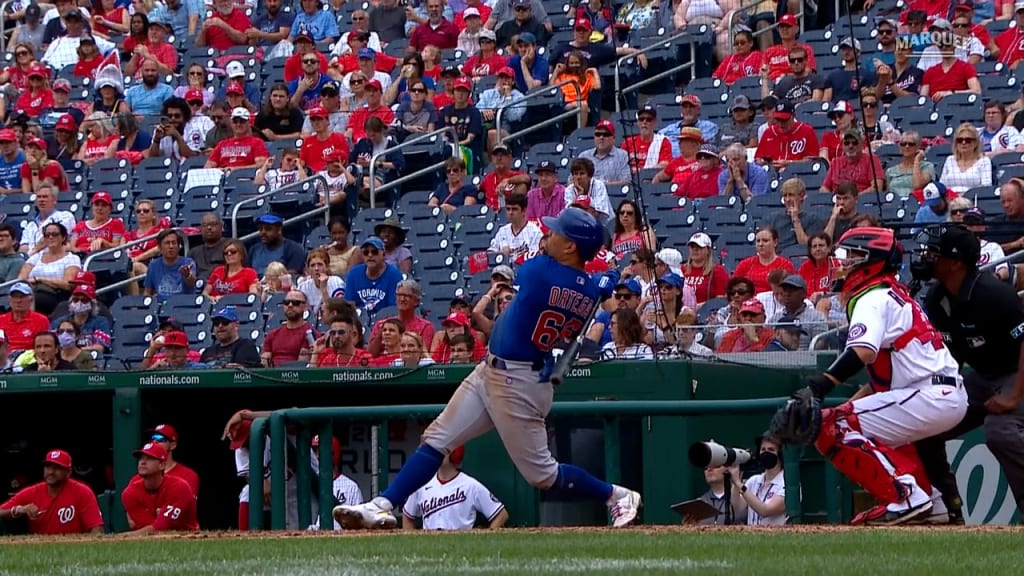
982, 322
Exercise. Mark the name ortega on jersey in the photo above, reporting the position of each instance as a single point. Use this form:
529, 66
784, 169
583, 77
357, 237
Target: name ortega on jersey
571, 301
432, 505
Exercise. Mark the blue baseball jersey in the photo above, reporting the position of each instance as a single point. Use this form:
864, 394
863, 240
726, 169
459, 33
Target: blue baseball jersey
554, 303
372, 294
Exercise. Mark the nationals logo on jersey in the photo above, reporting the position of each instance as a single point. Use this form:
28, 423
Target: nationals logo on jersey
797, 147
432, 505
66, 514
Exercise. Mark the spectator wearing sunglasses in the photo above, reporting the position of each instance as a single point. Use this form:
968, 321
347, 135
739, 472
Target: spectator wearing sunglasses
372, 285
290, 342
229, 349
167, 436
338, 348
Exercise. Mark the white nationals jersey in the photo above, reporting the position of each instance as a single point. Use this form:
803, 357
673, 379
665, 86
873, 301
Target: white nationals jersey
765, 491
910, 350
990, 252
528, 239
452, 505
346, 492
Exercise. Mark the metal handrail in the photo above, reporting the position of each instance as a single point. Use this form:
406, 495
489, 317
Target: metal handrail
542, 91
126, 245
3, 37
407, 177
660, 44
299, 218
742, 10
251, 199
814, 341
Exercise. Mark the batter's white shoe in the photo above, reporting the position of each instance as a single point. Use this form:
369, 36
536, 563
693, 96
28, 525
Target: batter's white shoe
625, 508
366, 516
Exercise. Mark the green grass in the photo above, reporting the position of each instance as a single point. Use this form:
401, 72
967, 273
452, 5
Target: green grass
538, 553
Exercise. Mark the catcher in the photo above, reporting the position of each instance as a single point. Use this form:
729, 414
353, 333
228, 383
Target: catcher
915, 389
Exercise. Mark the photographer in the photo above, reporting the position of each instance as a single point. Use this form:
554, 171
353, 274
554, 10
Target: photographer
715, 496
169, 136
765, 494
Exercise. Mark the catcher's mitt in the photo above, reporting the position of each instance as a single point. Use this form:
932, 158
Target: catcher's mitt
799, 420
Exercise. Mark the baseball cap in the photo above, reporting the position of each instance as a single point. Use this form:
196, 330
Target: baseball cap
583, 24
850, 42
38, 70
740, 102
581, 228
606, 125
672, 258
691, 99
330, 87
226, 313
8, 135
234, 88
85, 290
784, 110
240, 434
451, 71
632, 284
486, 34
940, 24
794, 281
59, 457
374, 84
853, 133
317, 112
66, 122
172, 323
752, 305
463, 83
84, 277
101, 196
470, 13
964, 5
527, 38
165, 429
373, 241
700, 239
35, 141
692, 133
272, 219
647, 109
934, 193
672, 279
791, 324
959, 243
153, 450
504, 271
62, 85
545, 166
974, 216
242, 113
304, 36
235, 69
1018, 6
176, 338
840, 107
193, 95
86, 38
500, 149
707, 150
456, 318
787, 20
507, 71
21, 288
519, 3
33, 12
368, 53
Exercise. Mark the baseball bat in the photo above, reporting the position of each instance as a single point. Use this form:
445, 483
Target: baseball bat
567, 358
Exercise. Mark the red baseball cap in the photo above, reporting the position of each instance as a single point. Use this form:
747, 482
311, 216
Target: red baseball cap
66, 122
787, 20
175, 338
8, 135
62, 84
318, 112
84, 277
606, 125
457, 318
375, 84
507, 71
39, 70
240, 434
194, 94
102, 196
58, 457
86, 290
752, 305
36, 141
153, 450
165, 429
583, 24
463, 83
691, 99
234, 88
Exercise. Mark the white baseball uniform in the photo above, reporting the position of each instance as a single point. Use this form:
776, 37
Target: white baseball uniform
347, 492
990, 252
452, 505
765, 491
525, 242
291, 485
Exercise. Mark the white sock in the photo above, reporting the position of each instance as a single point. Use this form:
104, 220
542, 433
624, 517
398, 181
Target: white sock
383, 503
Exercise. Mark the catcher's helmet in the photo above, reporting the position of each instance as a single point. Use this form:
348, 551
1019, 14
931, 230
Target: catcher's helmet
865, 255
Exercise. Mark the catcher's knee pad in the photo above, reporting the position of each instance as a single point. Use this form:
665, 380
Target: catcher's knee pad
873, 467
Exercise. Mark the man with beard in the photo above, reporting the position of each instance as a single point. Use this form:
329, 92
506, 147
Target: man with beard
291, 341
168, 137
272, 24
57, 505
148, 98
798, 86
210, 253
337, 349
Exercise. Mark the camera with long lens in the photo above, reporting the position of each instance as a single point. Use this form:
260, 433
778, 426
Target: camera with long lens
711, 454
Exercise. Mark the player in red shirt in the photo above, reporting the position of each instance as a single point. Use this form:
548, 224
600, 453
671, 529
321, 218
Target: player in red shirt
776, 57
639, 146
101, 231
1011, 42
514, 180
743, 62
167, 436
57, 505
950, 76
786, 141
225, 27
243, 150
158, 502
323, 144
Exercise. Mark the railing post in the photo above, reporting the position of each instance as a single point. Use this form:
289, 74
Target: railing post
791, 474
383, 456
303, 469
326, 472
303, 185
612, 451
415, 140
658, 44
278, 469
257, 445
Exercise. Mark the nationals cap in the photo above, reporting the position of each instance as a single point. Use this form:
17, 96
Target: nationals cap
85, 290
8, 135
59, 457
153, 450
66, 122
84, 277
580, 227
193, 95
165, 429
456, 318
176, 338
752, 305
103, 197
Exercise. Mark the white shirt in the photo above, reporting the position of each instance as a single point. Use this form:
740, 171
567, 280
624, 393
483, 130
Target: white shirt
598, 198
526, 241
765, 491
990, 252
965, 48
634, 352
335, 289
32, 233
195, 131
335, 184
452, 505
53, 270
1007, 139
276, 179
63, 51
346, 492
979, 174
384, 79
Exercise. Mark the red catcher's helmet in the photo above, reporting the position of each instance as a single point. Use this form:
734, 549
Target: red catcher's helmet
866, 256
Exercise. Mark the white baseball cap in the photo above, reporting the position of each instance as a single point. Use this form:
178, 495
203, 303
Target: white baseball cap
672, 258
700, 239
235, 69
242, 113
470, 12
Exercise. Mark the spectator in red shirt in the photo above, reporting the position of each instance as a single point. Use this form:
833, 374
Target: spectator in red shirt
817, 269
38, 96
303, 45
757, 267
374, 107
156, 501
293, 340
156, 49
22, 323
337, 348
646, 148
1010, 42
703, 182
408, 299
102, 231
241, 151
503, 180
436, 31
167, 436
57, 505
169, 349
950, 76
232, 277
787, 141
752, 335
679, 169
454, 325
776, 57
389, 341
486, 61
225, 27
855, 165
700, 272
323, 143
744, 60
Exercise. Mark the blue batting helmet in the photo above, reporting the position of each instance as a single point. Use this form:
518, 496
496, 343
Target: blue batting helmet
580, 227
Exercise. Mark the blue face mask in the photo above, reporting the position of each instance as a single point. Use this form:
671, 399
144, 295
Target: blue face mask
65, 340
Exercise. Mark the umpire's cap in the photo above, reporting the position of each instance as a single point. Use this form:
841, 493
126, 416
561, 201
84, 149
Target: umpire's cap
960, 244
580, 227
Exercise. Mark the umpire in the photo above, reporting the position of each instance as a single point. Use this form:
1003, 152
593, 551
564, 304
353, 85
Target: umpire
982, 322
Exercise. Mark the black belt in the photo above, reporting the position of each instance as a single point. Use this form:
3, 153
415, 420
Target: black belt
495, 362
945, 381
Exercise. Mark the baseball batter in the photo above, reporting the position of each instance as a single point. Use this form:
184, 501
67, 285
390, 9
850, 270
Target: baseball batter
452, 499
57, 505
915, 392
156, 502
511, 389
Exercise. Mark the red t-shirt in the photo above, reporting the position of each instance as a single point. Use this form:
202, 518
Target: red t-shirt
443, 353
164, 53
638, 148
33, 104
358, 119
234, 152
162, 224
73, 510
315, 151
736, 66
817, 276
51, 170
832, 143
20, 334
417, 324
97, 149
238, 283
799, 143
112, 230
700, 183
87, 68
284, 343
442, 98
933, 8
709, 286
490, 186
859, 172
219, 39
777, 57
18, 77
384, 360
331, 359
293, 65
350, 63
679, 169
476, 65
752, 269
939, 80
1011, 45
172, 506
